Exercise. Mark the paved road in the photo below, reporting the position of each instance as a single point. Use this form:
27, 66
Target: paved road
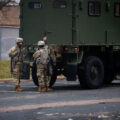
67, 101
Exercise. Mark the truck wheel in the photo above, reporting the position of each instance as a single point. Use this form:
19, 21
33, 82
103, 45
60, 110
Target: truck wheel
53, 77
35, 78
92, 74
34, 74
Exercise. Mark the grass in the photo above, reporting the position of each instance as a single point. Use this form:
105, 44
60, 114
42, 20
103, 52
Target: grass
5, 69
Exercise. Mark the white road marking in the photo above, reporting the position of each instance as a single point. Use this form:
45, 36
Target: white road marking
58, 104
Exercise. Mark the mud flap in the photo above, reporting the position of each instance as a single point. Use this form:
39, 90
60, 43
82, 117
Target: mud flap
71, 72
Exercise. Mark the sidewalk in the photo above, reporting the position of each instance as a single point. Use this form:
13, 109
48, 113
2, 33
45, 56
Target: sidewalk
23, 80
10, 80
6, 80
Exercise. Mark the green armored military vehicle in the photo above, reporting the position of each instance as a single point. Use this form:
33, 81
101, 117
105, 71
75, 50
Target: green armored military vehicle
88, 31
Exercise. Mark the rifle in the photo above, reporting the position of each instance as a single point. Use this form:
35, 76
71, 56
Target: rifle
19, 54
11, 65
20, 60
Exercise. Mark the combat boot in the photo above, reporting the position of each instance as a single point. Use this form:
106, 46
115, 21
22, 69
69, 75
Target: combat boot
18, 89
39, 89
49, 89
44, 89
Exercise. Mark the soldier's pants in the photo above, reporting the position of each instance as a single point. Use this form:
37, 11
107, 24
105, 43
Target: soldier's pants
43, 79
17, 71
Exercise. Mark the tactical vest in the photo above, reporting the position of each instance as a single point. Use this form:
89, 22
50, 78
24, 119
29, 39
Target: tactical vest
44, 57
17, 56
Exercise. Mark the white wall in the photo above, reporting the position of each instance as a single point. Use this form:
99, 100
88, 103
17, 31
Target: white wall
8, 37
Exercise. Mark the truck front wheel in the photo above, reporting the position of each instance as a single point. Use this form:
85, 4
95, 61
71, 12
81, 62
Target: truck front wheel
34, 74
92, 74
35, 78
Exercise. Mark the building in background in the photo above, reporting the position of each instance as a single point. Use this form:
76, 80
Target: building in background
9, 28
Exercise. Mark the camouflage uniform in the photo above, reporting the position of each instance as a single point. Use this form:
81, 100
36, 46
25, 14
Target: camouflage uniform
17, 55
41, 57
43, 80
51, 50
52, 55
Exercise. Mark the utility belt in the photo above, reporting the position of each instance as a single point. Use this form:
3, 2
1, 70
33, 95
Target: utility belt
16, 63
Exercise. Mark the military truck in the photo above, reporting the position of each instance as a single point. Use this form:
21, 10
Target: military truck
87, 30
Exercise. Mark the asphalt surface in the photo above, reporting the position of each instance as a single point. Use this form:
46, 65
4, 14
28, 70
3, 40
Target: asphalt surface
67, 101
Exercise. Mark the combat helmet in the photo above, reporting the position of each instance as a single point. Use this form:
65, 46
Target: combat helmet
19, 40
41, 43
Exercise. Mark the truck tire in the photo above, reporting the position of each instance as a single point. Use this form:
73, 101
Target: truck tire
34, 74
92, 74
35, 78
53, 77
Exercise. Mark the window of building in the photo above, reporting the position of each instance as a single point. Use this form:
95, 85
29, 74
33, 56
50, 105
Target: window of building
94, 8
117, 9
35, 5
59, 4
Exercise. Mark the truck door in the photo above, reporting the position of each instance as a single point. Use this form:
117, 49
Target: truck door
59, 21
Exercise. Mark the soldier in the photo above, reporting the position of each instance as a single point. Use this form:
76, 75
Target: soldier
51, 50
45, 40
55, 51
41, 57
17, 57
52, 63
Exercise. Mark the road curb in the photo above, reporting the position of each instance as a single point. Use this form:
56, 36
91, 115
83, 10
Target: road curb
10, 80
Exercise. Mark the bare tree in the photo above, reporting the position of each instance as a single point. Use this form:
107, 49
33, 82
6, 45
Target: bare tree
3, 3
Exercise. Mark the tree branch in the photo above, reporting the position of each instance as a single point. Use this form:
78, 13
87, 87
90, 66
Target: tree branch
3, 3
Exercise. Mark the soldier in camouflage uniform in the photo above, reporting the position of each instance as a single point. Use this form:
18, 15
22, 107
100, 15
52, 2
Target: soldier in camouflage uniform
45, 41
55, 51
51, 50
41, 56
17, 55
